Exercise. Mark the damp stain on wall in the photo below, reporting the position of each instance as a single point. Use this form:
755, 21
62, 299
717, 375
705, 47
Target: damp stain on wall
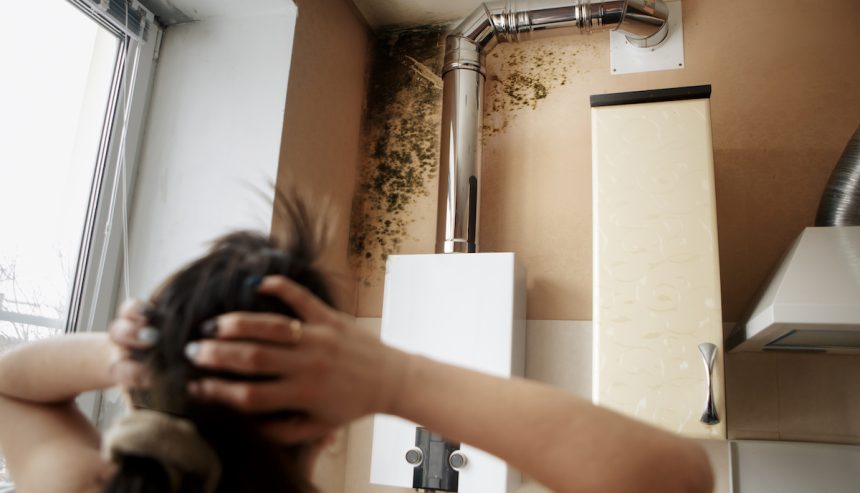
521, 76
401, 142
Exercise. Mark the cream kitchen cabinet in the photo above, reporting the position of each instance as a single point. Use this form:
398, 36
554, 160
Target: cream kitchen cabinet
656, 265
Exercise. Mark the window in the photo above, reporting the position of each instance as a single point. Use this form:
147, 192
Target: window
70, 110
54, 101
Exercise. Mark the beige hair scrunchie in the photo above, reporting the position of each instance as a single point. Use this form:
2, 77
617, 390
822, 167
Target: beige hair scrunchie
173, 442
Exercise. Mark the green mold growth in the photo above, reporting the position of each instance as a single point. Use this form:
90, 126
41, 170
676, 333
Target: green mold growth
519, 77
401, 142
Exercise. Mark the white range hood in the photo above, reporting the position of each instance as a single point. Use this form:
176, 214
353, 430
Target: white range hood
812, 301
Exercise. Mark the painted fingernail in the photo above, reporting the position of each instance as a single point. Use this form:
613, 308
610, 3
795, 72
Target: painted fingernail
209, 328
253, 281
148, 336
192, 349
194, 388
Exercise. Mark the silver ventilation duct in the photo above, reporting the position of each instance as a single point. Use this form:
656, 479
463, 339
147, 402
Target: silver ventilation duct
840, 203
812, 300
645, 23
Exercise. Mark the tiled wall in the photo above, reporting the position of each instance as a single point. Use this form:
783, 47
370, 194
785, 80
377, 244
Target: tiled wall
795, 397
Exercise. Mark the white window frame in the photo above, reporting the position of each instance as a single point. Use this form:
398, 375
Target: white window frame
99, 270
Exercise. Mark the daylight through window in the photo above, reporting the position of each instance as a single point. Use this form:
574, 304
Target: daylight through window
55, 97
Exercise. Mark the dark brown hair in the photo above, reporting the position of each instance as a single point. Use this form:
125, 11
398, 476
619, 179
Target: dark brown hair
224, 280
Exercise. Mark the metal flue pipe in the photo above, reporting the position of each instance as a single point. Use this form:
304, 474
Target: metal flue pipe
645, 23
840, 203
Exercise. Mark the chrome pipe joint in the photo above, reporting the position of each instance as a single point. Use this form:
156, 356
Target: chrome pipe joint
645, 23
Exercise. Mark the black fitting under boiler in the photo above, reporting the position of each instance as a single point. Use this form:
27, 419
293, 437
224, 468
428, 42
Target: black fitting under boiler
431, 455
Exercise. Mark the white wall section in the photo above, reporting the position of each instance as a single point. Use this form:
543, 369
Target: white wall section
211, 152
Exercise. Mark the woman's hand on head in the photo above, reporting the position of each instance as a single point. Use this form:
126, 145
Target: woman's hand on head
129, 332
323, 365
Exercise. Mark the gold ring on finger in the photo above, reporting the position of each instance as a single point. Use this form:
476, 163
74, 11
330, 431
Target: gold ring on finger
295, 330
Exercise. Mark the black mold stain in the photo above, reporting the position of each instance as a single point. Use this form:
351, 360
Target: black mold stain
401, 140
520, 77
402, 122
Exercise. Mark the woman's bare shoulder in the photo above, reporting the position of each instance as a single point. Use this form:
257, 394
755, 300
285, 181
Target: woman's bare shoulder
55, 438
73, 469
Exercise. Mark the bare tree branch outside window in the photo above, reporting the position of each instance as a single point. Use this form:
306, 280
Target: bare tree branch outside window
56, 94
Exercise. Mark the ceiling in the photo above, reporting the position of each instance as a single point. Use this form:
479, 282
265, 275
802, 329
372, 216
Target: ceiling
384, 13
171, 12
378, 13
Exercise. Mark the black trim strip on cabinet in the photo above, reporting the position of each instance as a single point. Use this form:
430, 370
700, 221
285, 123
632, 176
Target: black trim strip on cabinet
651, 96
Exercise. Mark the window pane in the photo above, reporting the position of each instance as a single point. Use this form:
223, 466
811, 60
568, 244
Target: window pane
58, 67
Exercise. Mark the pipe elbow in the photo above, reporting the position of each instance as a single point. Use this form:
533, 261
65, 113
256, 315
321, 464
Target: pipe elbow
478, 27
645, 22
466, 45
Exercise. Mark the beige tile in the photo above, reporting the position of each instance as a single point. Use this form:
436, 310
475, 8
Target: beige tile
371, 325
718, 454
819, 396
819, 438
558, 352
752, 395
329, 469
532, 487
357, 476
753, 435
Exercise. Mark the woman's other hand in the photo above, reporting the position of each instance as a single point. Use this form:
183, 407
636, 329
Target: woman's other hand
324, 364
129, 333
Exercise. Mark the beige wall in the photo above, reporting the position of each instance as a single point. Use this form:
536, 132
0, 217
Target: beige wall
784, 104
320, 148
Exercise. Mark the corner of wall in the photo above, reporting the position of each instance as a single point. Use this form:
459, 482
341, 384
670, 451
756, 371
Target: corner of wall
320, 147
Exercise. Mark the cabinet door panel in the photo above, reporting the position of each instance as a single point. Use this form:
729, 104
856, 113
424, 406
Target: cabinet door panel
656, 272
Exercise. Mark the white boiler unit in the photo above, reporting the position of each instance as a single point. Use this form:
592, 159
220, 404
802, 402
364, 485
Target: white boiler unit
464, 309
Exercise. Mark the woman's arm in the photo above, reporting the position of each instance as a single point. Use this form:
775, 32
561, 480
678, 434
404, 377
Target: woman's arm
49, 447
338, 373
41, 428
562, 441
56, 370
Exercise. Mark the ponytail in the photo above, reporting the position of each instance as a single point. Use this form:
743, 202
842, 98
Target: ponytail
158, 452
137, 474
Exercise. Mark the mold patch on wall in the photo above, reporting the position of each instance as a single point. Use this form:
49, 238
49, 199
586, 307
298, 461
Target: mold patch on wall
521, 76
401, 143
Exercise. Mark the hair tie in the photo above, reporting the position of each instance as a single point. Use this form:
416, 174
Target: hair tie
173, 442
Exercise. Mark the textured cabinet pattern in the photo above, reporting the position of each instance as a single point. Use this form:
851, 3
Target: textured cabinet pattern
656, 272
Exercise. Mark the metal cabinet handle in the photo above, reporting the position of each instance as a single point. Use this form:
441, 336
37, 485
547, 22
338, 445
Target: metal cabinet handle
709, 353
